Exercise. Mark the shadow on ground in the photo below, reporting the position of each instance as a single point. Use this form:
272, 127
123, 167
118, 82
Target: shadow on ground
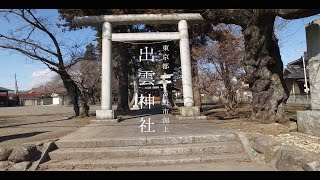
156, 109
23, 135
23, 124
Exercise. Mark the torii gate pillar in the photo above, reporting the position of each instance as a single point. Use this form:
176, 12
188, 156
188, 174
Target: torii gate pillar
188, 110
106, 111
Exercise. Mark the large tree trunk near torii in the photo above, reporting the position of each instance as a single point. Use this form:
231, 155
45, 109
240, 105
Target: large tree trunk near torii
263, 63
195, 82
264, 69
123, 94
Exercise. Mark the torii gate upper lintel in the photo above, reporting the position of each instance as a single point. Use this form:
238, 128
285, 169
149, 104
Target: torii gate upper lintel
106, 112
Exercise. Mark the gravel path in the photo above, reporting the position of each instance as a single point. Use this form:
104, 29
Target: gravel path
307, 144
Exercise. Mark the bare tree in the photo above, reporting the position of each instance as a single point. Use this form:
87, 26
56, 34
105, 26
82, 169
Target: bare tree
54, 85
263, 64
220, 64
36, 40
87, 75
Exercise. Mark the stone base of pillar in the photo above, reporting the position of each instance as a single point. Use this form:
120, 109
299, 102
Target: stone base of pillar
309, 122
192, 118
106, 114
135, 107
190, 111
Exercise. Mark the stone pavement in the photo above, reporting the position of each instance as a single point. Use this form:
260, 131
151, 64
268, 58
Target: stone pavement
222, 166
194, 144
130, 128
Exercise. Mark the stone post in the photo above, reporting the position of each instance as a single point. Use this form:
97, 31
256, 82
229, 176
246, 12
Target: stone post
314, 80
309, 121
313, 38
106, 111
189, 110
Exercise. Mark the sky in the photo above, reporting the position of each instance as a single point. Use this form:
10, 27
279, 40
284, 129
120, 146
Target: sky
31, 73
292, 41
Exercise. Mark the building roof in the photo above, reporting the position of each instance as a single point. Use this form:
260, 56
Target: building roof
299, 62
2, 89
26, 95
29, 96
295, 72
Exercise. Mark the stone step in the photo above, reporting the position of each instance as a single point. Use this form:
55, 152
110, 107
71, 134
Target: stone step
146, 141
140, 151
143, 161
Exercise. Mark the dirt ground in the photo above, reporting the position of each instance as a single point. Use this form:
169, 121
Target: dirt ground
241, 122
36, 123
284, 133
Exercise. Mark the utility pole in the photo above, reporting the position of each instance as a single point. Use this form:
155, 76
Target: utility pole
306, 89
16, 90
16, 84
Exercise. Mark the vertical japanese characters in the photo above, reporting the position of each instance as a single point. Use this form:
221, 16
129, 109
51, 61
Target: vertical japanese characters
146, 78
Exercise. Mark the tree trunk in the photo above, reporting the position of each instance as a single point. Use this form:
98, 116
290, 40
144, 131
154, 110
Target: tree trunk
72, 89
264, 69
84, 108
84, 98
123, 94
195, 82
228, 99
194, 70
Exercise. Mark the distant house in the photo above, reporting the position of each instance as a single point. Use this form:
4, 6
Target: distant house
32, 99
294, 77
60, 98
56, 95
4, 97
29, 99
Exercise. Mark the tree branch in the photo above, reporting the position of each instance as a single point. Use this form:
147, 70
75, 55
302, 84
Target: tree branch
29, 43
41, 27
228, 16
296, 13
73, 62
29, 54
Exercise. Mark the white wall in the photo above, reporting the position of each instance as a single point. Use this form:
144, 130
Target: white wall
55, 100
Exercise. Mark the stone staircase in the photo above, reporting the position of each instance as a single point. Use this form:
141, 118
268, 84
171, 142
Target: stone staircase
147, 151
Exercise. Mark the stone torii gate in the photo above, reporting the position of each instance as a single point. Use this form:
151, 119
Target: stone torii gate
106, 111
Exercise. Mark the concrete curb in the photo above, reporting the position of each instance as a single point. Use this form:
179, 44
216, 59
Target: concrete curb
138, 151
46, 148
248, 148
